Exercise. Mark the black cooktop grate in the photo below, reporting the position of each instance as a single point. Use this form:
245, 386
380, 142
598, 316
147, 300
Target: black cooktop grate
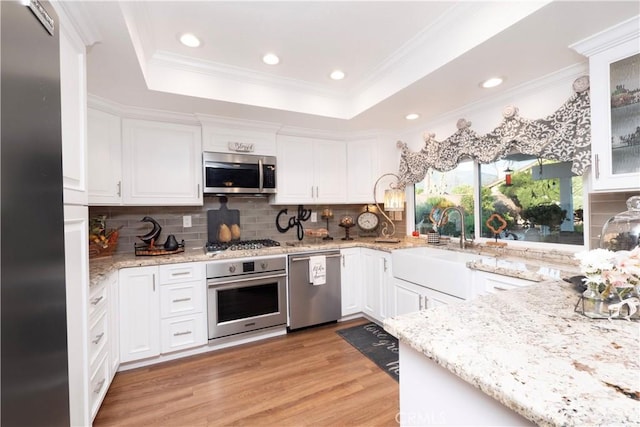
240, 245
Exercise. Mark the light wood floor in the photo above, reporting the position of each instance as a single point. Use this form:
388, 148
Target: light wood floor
307, 378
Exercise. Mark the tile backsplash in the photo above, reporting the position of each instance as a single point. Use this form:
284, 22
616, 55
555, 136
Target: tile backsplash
257, 220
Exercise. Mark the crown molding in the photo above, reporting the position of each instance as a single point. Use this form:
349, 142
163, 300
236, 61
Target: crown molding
129, 112
606, 39
75, 13
217, 70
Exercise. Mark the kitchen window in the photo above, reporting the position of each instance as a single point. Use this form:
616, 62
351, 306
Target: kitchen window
541, 201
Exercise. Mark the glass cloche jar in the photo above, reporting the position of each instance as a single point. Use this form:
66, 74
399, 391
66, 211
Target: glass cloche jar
621, 232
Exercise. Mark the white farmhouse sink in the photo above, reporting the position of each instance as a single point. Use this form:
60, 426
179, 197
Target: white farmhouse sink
438, 269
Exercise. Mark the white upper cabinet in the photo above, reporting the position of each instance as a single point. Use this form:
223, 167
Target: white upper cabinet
105, 158
73, 99
232, 136
311, 171
614, 67
362, 170
162, 163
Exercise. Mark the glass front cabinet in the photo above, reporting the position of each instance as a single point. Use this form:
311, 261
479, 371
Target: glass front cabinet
614, 68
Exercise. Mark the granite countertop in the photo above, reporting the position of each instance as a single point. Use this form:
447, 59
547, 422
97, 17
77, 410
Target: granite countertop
529, 350
100, 268
521, 263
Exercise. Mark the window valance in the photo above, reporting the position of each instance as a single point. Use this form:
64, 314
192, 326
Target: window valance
565, 135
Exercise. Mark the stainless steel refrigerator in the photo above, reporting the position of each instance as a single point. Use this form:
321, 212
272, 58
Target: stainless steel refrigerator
33, 347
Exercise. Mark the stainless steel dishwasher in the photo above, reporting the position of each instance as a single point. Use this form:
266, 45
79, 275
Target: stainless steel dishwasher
310, 304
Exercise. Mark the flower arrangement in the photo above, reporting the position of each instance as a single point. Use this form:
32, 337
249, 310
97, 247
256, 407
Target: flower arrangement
619, 271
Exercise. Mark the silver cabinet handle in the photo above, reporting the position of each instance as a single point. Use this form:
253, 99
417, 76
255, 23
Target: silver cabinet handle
384, 264
154, 282
198, 189
180, 273
312, 191
498, 288
182, 300
343, 260
177, 334
98, 338
317, 192
119, 188
597, 165
419, 302
95, 301
99, 386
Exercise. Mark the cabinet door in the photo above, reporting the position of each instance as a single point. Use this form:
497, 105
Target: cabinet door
362, 170
330, 171
407, 298
371, 284
139, 313
294, 173
351, 279
76, 241
162, 163
114, 339
435, 298
386, 284
73, 115
105, 158
615, 129
614, 58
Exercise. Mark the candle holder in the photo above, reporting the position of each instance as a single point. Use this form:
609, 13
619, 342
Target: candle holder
327, 214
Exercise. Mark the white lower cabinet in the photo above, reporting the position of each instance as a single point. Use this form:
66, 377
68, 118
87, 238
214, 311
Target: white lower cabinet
376, 279
99, 383
158, 312
114, 334
139, 313
489, 283
183, 332
351, 279
182, 306
409, 297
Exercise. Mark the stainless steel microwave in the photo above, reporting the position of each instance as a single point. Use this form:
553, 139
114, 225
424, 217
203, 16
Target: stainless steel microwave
236, 173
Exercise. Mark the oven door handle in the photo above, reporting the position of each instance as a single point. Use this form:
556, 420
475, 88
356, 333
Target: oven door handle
245, 279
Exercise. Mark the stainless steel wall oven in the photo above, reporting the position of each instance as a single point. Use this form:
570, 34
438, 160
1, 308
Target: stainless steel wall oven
246, 295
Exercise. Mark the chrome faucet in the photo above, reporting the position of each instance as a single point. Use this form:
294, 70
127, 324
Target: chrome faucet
460, 211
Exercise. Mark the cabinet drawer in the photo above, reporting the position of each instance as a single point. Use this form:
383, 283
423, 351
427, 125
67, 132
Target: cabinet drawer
181, 298
97, 337
495, 283
97, 300
98, 385
176, 273
183, 332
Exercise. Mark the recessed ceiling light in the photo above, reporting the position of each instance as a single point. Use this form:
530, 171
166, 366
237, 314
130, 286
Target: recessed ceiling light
271, 59
337, 75
492, 82
190, 40
412, 116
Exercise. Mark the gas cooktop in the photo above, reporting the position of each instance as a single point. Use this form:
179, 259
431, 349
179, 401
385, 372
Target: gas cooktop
241, 245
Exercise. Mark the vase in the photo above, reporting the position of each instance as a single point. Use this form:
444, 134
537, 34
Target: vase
592, 303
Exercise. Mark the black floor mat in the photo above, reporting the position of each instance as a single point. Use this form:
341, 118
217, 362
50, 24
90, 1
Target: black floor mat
375, 343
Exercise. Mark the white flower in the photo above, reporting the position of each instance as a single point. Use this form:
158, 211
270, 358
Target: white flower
596, 260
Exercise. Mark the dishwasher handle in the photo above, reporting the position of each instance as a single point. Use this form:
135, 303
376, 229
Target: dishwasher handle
306, 258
